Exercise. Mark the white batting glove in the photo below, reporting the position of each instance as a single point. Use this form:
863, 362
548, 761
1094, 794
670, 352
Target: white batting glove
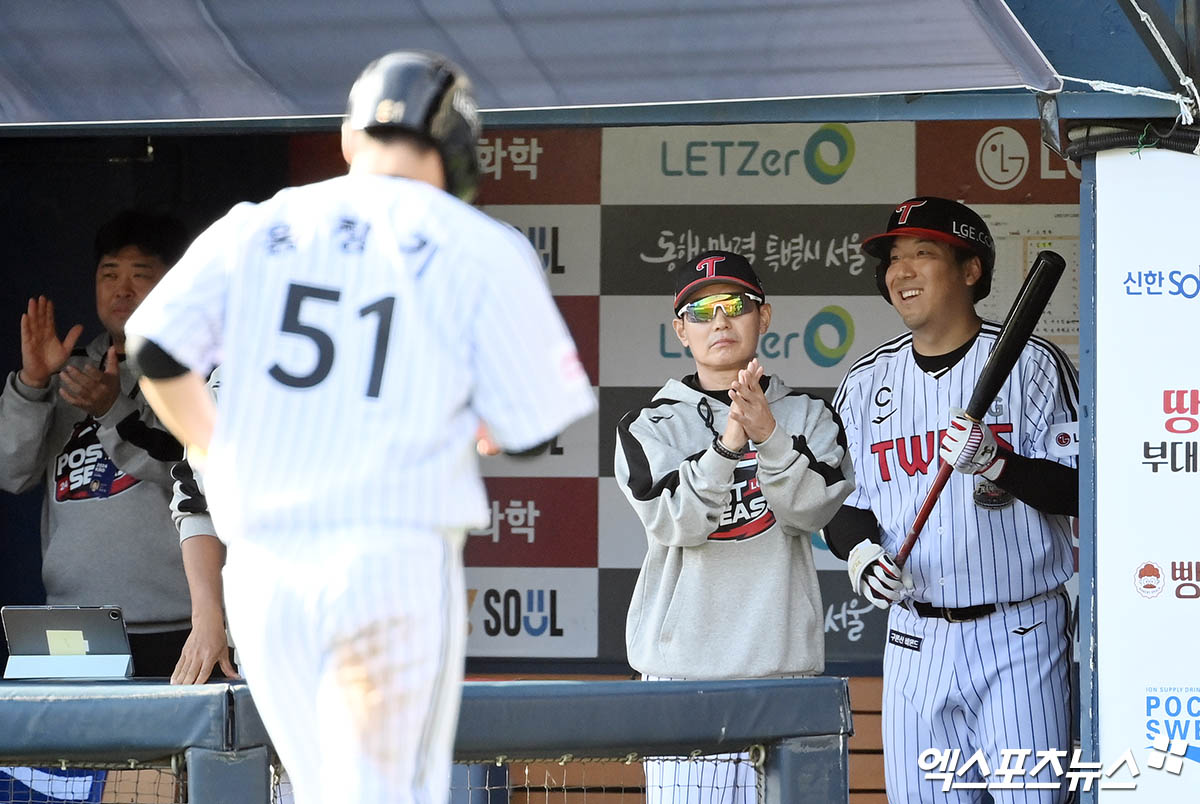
970, 447
875, 576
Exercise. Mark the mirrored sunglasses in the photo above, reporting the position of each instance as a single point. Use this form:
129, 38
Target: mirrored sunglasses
704, 310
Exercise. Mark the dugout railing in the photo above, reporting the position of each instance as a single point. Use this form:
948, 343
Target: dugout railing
211, 738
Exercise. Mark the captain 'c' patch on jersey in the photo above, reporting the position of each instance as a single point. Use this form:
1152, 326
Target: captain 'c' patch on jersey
748, 514
83, 470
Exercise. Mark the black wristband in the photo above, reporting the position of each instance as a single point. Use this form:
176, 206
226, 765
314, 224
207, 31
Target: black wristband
724, 451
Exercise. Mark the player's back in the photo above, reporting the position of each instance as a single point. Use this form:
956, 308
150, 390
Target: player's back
347, 366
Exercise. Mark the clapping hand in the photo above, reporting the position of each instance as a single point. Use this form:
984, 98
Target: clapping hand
42, 353
748, 404
90, 389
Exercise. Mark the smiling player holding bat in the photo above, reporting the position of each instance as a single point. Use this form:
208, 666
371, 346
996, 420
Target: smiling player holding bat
978, 646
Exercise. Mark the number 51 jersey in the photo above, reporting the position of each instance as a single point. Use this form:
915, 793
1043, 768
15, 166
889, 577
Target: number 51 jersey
364, 326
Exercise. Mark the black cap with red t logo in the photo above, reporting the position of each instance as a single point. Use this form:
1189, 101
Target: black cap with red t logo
711, 267
935, 219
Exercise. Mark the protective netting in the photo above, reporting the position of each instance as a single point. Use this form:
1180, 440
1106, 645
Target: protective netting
95, 784
734, 778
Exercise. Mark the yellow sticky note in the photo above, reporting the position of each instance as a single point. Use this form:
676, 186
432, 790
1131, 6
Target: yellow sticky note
66, 643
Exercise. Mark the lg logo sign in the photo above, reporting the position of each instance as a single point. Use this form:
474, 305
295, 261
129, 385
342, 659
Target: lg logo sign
1002, 159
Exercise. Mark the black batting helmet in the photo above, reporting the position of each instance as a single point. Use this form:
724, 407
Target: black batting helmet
936, 219
427, 95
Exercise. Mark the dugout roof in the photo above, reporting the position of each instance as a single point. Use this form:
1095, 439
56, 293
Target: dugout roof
153, 62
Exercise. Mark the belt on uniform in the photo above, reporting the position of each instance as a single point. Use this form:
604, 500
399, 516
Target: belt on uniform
968, 613
960, 615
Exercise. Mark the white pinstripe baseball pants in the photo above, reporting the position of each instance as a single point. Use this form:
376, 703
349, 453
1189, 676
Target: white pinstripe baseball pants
353, 648
998, 682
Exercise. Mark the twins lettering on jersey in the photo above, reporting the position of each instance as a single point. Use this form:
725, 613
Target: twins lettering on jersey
83, 470
918, 454
748, 514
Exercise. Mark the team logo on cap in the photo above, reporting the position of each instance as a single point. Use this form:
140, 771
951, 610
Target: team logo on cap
1149, 580
708, 266
906, 208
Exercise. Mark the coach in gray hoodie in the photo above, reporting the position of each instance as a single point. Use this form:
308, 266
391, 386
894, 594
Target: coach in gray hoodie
730, 472
73, 420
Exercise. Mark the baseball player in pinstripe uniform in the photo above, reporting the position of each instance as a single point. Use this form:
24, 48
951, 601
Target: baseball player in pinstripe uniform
207, 649
978, 648
364, 325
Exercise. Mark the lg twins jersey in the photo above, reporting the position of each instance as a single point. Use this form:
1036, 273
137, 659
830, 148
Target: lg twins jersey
980, 545
364, 326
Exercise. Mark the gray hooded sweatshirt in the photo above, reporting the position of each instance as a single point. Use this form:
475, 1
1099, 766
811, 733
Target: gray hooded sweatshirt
107, 535
728, 588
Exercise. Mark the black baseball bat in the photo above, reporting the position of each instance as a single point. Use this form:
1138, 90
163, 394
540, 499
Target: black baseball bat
1018, 325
